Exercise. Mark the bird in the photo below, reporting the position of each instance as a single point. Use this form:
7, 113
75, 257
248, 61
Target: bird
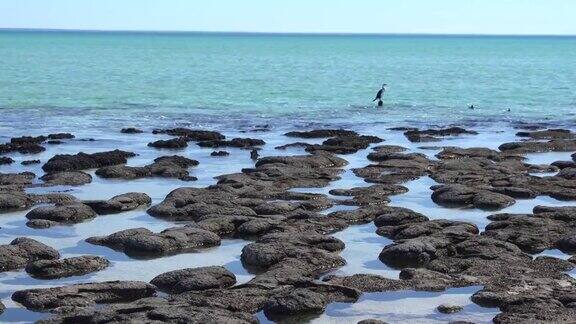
380, 93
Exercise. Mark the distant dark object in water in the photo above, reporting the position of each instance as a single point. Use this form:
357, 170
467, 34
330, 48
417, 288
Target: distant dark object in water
380, 103
379, 95
131, 130
254, 154
219, 153
29, 162
6, 160
509, 110
471, 107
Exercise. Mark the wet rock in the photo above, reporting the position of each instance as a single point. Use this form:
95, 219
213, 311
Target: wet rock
60, 136
219, 153
54, 142
235, 142
120, 203
159, 310
548, 134
66, 178
381, 156
62, 214
195, 203
371, 321
5, 160
389, 149
321, 133
165, 167
179, 281
272, 249
30, 162
344, 144
254, 154
536, 147
449, 308
83, 295
432, 135
564, 164
396, 216
131, 130
140, 242
462, 196
295, 302
76, 266
16, 179
191, 135
14, 200
372, 195
531, 233
174, 143
82, 161
41, 223
475, 152
2, 308
23, 250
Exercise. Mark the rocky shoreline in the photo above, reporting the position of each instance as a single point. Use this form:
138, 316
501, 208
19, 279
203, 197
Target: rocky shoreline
291, 244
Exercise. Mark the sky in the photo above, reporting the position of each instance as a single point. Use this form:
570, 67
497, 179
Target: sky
555, 17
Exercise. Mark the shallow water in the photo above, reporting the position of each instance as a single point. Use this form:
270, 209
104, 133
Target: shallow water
363, 245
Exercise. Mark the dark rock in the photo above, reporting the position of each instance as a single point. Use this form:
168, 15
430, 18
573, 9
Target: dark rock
76, 266
66, 178
236, 142
295, 302
179, 281
82, 161
23, 250
30, 162
5, 160
462, 196
120, 203
2, 308
41, 223
321, 133
536, 147
62, 214
165, 167
140, 242
60, 136
174, 143
476, 152
564, 164
548, 134
345, 144
131, 130
83, 295
154, 310
254, 154
449, 309
432, 135
219, 153
54, 142
389, 149
191, 135
371, 321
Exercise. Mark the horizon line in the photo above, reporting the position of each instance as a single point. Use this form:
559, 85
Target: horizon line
18, 29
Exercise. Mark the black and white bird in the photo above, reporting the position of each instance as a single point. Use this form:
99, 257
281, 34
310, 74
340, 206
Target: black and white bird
380, 93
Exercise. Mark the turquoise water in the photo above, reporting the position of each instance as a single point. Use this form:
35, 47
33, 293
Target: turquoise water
279, 78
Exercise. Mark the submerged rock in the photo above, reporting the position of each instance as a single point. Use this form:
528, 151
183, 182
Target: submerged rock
21, 251
179, 281
5, 160
76, 266
191, 135
219, 153
30, 162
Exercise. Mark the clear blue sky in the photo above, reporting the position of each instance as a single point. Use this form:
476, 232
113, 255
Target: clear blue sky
350, 16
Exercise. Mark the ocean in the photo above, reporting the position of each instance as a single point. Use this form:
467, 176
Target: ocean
100, 79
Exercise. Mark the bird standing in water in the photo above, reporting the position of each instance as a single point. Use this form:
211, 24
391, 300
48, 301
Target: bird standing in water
379, 95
